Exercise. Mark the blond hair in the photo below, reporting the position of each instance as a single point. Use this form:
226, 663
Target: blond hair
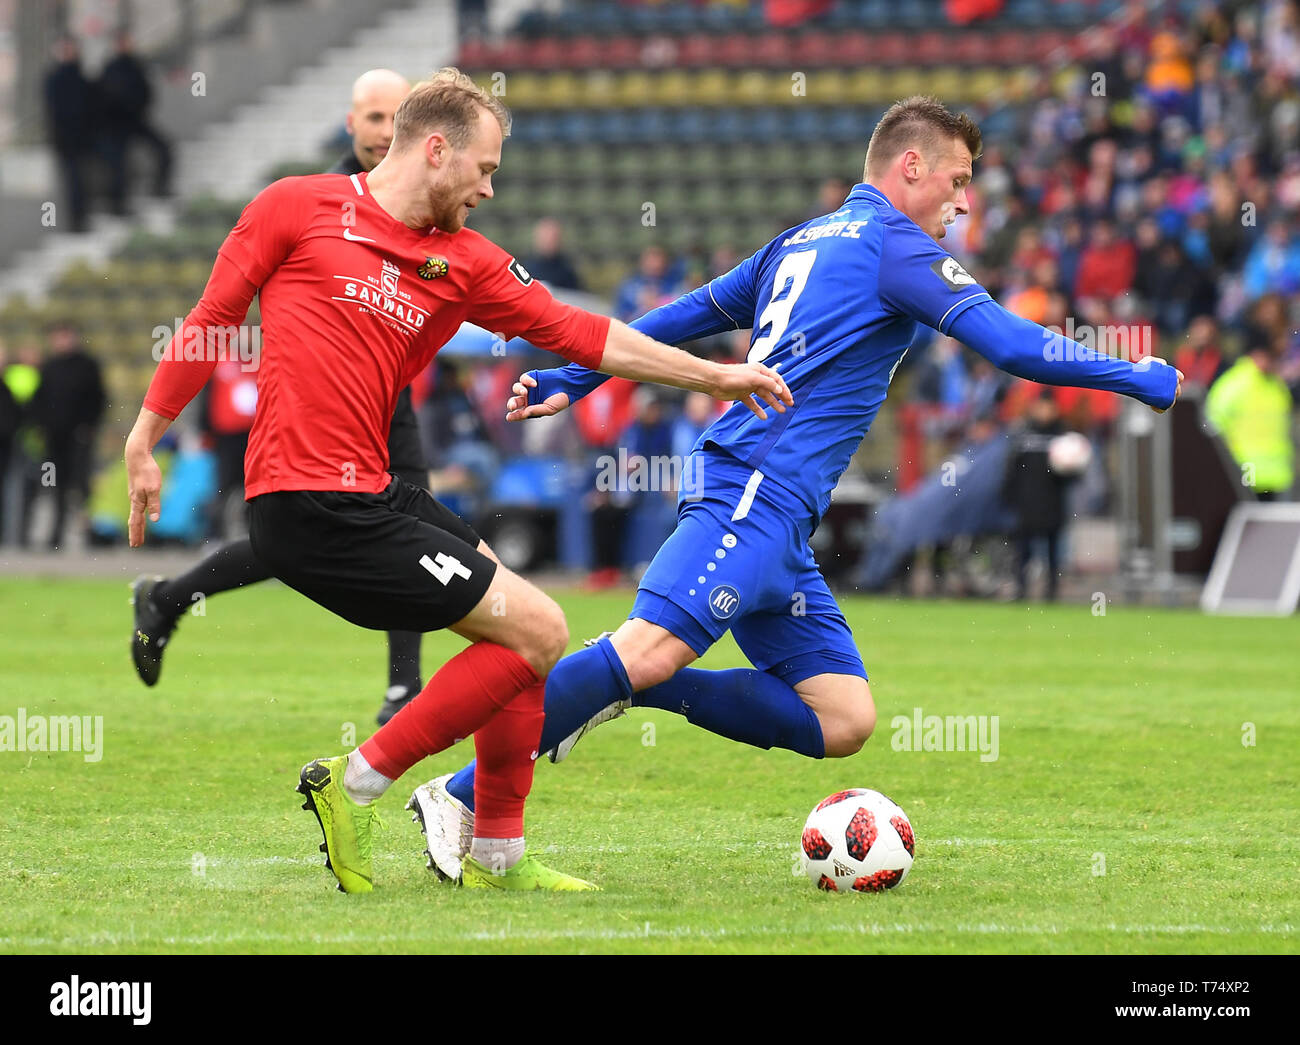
449, 102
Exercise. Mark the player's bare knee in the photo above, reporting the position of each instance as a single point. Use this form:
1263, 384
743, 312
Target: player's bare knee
649, 654
549, 636
659, 666
849, 724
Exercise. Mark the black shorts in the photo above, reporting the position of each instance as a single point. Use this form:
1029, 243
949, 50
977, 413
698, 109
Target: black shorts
392, 561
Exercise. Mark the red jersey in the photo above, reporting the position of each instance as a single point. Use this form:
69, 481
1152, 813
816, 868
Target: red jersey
354, 304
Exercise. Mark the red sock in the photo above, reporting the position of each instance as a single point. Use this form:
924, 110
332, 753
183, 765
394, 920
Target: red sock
507, 754
464, 695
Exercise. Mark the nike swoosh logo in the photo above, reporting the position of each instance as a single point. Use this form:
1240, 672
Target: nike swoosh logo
347, 234
533, 756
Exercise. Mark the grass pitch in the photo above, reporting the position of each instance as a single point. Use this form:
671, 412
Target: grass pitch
1144, 797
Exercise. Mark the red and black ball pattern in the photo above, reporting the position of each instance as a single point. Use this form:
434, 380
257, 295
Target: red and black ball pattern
839, 796
904, 830
827, 884
815, 844
860, 835
878, 882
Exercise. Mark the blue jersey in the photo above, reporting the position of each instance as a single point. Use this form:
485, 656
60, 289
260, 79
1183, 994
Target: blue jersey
834, 304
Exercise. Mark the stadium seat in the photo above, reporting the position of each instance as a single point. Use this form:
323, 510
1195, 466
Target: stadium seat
622, 52
599, 89
562, 91
689, 126
524, 90
864, 86
753, 87
634, 89
812, 49
970, 47
696, 50
826, 86
713, 87
806, 125
850, 125
773, 50
584, 52
732, 50
929, 48
473, 54
674, 88
947, 83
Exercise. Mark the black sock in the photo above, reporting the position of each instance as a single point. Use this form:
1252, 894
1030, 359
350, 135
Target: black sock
229, 567
404, 659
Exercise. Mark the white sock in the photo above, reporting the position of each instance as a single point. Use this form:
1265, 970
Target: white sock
498, 855
362, 783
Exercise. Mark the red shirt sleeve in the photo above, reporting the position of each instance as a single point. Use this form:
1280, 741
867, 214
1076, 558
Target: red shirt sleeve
508, 301
209, 334
268, 229
262, 238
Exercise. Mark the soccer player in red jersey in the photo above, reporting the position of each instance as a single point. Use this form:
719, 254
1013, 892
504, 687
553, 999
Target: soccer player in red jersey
361, 280
158, 603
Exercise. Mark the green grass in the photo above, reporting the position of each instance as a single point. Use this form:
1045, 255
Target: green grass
1119, 735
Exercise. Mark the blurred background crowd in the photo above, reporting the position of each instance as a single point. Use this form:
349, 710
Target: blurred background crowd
1140, 185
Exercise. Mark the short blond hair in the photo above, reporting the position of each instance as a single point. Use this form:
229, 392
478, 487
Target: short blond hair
448, 102
923, 123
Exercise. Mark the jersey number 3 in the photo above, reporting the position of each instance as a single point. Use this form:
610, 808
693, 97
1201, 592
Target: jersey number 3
788, 283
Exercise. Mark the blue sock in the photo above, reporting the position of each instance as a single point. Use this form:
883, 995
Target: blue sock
580, 685
740, 704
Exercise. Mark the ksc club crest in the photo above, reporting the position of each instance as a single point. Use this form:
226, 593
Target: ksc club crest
723, 601
433, 268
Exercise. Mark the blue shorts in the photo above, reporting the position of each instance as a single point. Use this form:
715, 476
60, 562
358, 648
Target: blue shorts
739, 560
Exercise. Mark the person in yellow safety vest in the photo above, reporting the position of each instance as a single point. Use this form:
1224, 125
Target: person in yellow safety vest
1251, 406
18, 382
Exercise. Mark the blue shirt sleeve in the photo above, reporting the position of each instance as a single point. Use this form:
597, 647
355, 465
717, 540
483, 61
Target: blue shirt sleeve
1033, 352
727, 303
921, 280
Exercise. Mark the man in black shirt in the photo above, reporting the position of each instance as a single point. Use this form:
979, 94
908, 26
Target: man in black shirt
159, 603
124, 99
68, 105
67, 408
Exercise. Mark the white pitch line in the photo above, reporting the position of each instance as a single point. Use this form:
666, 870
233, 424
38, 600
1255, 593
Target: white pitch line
650, 931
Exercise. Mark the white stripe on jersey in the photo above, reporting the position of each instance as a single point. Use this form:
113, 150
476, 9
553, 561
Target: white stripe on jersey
356, 184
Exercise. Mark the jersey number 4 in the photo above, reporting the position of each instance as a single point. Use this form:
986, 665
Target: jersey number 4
788, 283
445, 568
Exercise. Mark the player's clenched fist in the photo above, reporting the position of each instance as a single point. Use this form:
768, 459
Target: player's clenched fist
749, 382
1146, 361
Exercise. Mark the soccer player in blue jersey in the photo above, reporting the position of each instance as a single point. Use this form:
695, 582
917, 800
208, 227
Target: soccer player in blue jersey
834, 303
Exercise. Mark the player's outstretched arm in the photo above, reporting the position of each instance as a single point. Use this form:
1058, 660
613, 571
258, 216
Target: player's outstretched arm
143, 476
704, 311
1031, 351
629, 353
186, 364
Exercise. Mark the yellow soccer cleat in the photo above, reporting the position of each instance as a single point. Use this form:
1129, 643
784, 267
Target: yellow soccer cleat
345, 824
529, 873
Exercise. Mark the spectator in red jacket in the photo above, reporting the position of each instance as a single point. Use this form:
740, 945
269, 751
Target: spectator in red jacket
1108, 264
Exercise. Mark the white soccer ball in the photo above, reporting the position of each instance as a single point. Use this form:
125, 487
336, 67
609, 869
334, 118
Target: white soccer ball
1069, 454
857, 841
